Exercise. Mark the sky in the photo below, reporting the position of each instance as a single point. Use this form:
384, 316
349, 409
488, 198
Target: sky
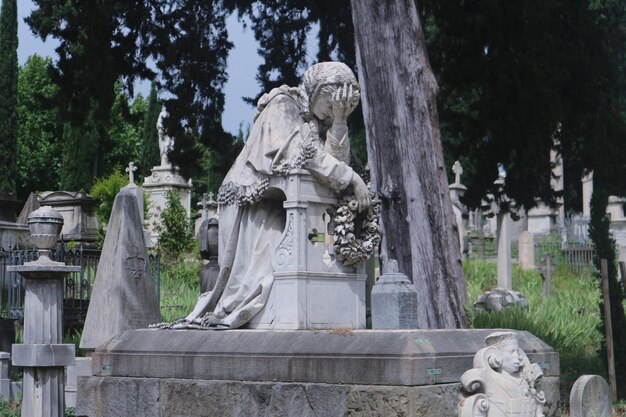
242, 65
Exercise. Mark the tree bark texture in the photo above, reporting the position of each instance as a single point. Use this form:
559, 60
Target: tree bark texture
406, 157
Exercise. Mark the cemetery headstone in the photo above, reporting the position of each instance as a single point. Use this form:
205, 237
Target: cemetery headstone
590, 397
123, 296
460, 211
526, 251
503, 382
546, 269
587, 185
394, 300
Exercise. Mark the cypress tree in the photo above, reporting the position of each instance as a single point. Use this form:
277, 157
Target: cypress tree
150, 156
8, 92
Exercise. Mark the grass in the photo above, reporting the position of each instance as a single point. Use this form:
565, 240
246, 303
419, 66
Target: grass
569, 320
180, 288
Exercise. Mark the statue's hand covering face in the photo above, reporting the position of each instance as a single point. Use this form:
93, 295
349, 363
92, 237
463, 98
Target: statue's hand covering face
330, 85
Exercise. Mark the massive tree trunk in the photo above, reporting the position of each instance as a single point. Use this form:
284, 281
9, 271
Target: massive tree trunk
406, 158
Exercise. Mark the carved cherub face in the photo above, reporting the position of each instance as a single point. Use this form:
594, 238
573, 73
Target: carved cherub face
511, 358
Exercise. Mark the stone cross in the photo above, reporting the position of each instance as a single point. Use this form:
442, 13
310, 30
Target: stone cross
206, 203
131, 173
458, 171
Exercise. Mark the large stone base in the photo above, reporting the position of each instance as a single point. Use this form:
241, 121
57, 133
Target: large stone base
247, 373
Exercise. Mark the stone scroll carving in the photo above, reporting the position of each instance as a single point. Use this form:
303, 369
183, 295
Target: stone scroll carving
503, 382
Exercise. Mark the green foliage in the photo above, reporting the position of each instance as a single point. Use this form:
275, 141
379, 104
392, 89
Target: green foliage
175, 229
604, 245
73, 337
10, 408
38, 142
8, 90
149, 154
80, 152
124, 135
568, 320
180, 287
105, 190
515, 75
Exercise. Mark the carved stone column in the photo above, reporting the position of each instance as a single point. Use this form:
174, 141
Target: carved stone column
43, 354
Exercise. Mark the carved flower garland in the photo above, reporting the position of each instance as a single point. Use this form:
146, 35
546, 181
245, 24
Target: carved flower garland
357, 235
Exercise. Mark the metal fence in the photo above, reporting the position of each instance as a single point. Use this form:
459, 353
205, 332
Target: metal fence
78, 285
576, 256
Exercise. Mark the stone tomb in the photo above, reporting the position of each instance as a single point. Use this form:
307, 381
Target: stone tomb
325, 373
311, 289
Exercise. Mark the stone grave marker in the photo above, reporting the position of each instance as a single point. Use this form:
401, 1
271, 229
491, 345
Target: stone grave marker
123, 295
394, 301
526, 247
590, 397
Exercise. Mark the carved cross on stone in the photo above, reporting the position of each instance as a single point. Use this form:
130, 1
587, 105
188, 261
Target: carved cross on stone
205, 204
458, 170
131, 173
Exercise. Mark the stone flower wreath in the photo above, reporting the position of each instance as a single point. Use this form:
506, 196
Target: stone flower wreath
357, 235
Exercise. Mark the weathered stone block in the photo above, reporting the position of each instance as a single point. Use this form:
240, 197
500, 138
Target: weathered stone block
590, 397
394, 302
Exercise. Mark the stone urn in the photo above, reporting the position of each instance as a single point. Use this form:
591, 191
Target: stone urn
45, 225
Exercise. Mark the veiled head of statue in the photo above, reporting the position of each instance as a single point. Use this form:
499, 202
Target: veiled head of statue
325, 77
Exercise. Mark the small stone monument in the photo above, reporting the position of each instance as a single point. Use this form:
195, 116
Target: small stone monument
460, 211
590, 397
164, 178
43, 354
123, 295
208, 237
503, 382
208, 210
526, 248
394, 300
503, 295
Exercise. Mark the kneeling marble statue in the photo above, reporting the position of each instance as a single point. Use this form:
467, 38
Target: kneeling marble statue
295, 128
503, 382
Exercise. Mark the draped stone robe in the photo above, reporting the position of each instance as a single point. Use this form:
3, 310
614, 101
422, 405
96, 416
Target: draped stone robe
250, 225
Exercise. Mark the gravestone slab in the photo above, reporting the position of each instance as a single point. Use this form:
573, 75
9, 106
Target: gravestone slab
526, 248
590, 397
123, 295
291, 372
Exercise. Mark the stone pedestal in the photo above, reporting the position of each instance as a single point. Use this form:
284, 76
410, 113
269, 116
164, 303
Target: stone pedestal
43, 354
302, 373
394, 302
311, 289
165, 178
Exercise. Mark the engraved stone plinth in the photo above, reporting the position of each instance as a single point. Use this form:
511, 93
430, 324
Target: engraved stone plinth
394, 301
590, 397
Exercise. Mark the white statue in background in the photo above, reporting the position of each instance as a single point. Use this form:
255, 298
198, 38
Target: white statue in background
503, 382
166, 143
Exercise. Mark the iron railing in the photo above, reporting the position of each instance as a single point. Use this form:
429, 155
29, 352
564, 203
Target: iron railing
78, 285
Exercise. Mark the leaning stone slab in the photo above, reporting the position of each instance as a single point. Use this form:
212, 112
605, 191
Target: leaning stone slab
282, 373
123, 295
590, 397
